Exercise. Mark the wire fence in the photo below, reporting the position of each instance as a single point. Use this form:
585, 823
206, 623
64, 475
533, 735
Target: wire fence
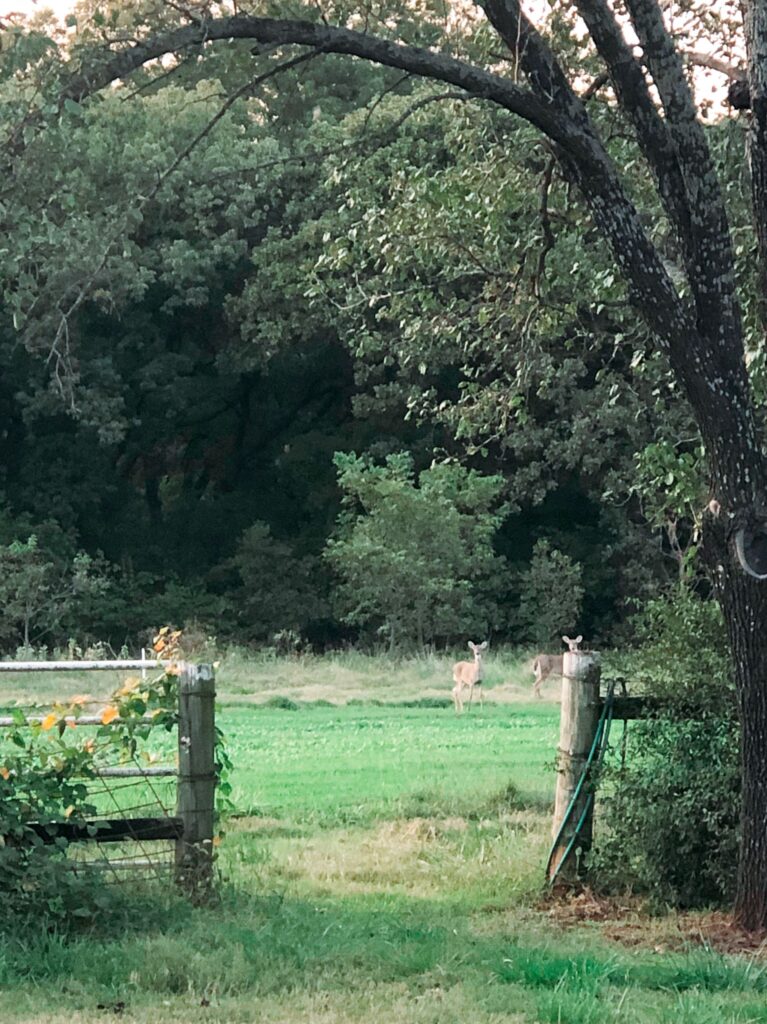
150, 803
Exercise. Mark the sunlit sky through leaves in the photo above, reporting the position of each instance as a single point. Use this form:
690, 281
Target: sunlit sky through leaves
710, 85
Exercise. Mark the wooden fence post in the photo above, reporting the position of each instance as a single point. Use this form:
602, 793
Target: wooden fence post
580, 713
196, 779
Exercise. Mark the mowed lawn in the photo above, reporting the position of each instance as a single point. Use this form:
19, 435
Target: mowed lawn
384, 863
358, 762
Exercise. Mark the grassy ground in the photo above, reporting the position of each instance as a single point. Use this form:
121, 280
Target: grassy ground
386, 864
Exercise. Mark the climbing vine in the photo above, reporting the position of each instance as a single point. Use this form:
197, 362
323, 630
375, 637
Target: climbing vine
46, 764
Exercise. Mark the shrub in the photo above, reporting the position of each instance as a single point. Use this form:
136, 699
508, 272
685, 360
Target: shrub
280, 592
669, 825
44, 768
551, 596
414, 552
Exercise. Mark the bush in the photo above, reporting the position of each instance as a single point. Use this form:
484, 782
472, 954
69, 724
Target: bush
551, 596
44, 771
672, 816
669, 826
414, 551
280, 592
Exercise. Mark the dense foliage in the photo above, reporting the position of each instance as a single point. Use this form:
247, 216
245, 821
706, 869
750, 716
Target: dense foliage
671, 791
416, 558
210, 290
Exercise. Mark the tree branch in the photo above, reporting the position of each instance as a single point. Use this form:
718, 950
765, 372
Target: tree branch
412, 59
706, 60
628, 80
756, 48
596, 178
700, 353
713, 277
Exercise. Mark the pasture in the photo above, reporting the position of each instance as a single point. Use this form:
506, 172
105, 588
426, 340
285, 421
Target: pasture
385, 861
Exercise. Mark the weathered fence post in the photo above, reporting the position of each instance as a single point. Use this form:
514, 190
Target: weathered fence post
580, 713
196, 778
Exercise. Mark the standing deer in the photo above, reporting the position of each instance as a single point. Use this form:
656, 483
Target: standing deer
545, 664
468, 673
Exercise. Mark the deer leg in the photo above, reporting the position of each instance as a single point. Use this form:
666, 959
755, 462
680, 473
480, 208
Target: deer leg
471, 695
457, 699
538, 683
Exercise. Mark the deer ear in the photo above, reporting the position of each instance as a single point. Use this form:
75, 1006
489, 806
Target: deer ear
472, 647
578, 639
483, 645
566, 639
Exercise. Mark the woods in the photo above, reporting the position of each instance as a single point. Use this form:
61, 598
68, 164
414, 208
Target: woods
213, 299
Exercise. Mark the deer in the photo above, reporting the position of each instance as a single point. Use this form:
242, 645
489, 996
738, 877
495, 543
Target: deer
546, 664
468, 673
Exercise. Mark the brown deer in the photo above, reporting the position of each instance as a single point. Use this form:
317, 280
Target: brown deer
468, 673
546, 664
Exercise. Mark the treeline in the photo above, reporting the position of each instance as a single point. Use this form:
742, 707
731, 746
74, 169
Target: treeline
356, 371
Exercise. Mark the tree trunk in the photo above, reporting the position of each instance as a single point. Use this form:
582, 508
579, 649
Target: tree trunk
744, 603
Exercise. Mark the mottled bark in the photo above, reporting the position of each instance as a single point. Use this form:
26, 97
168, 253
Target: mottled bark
744, 603
628, 80
756, 51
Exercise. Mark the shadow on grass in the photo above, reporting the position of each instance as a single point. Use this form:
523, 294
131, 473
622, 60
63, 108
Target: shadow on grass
271, 944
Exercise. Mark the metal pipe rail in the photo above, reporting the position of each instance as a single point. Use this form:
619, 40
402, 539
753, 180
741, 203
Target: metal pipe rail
9, 720
79, 666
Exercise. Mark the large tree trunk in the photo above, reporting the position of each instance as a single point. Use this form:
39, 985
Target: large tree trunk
744, 603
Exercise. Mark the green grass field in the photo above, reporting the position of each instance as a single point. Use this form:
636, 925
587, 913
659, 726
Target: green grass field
385, 863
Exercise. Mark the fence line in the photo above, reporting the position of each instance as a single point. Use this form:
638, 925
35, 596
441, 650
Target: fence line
80, 666
73, 720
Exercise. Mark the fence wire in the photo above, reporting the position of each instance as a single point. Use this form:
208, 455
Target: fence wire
124, 798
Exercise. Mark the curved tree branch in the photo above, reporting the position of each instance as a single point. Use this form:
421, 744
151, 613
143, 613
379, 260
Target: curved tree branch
697, 356
412, 59
551, 106
628, 79
713, 278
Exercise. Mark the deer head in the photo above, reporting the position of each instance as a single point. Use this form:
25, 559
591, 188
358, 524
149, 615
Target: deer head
477, 649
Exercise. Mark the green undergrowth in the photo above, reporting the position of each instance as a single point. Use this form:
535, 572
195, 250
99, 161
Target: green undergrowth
285, 703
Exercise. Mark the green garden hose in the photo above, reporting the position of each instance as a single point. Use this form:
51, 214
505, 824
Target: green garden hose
596, 756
